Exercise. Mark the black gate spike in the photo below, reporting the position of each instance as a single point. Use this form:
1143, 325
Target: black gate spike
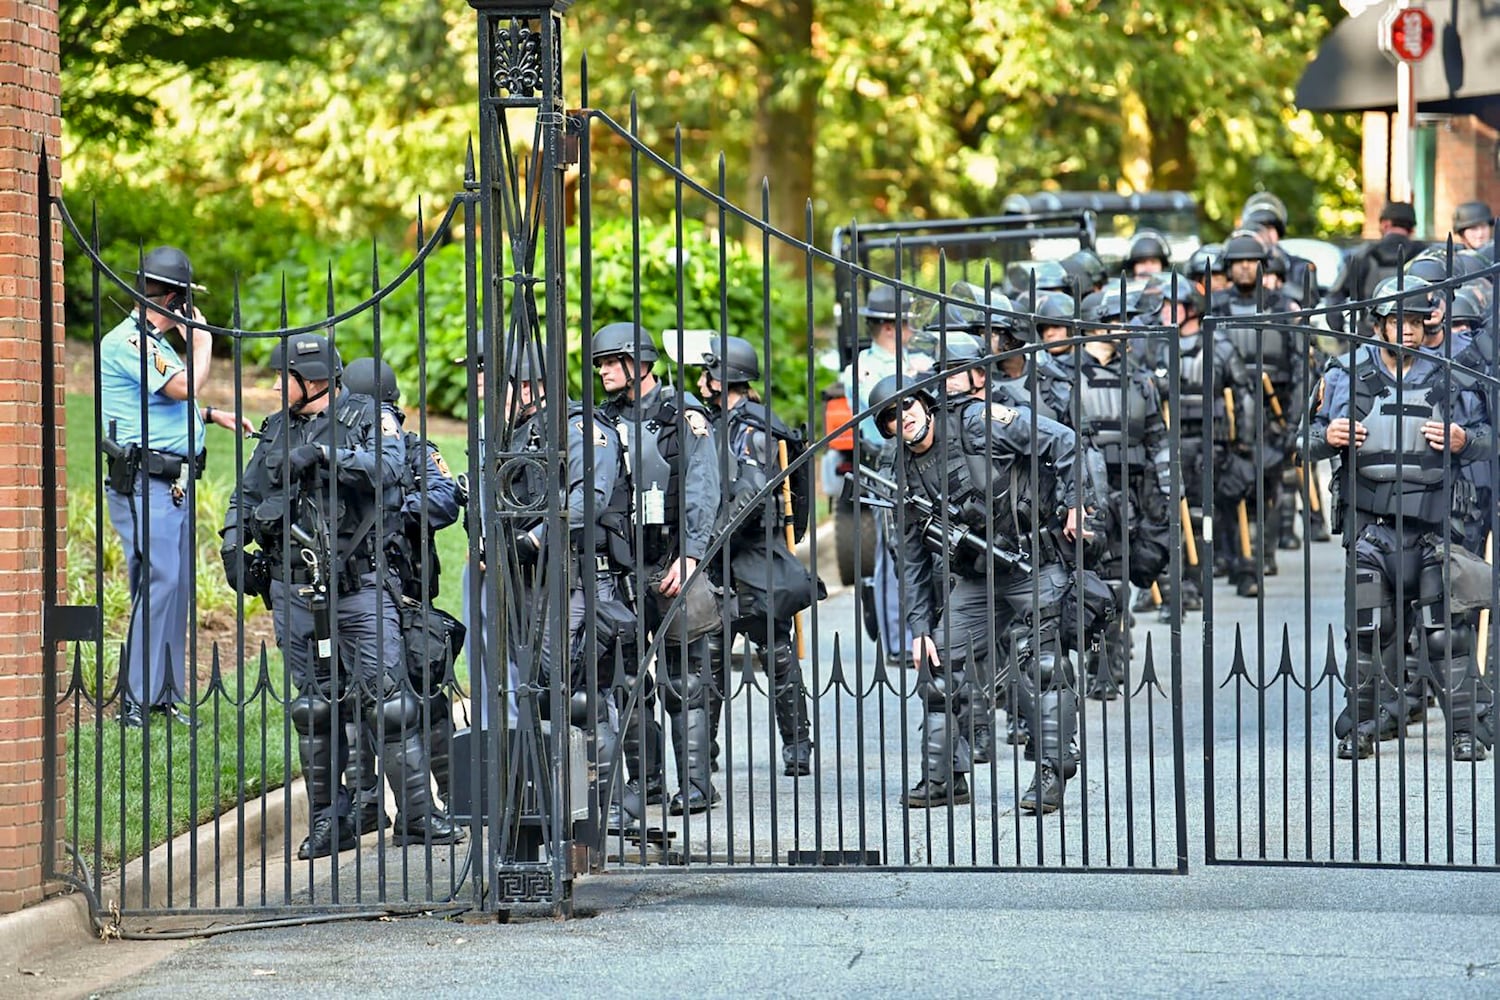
1330, 662
1284, 668
836, 676
76, 683
1149, 676
1238, 664
746, 674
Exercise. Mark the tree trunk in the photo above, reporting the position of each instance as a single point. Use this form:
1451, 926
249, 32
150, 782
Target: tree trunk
785, 124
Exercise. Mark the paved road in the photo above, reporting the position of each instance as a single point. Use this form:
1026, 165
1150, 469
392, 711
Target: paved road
1220, 931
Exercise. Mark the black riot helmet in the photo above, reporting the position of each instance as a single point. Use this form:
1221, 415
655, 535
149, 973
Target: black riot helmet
1417, 299
1468, 308
308, 356
1112, 307
1184, 292
1263, 204
1277, 262
1429, 265
360, 376
1089, 264
1206, 261
1471, 214
958, 350
626, 339
1148, 244
167, 266
739, 364
952, 318
1050, 276
1243, 245
886, 398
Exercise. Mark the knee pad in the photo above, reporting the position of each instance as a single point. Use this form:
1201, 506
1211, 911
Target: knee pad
1369, 595
685, 689
400, 708
311, 714
1449, 639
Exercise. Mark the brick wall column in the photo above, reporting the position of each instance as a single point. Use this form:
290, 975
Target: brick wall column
30, 119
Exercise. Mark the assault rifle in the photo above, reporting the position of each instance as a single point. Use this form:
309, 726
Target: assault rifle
955, 535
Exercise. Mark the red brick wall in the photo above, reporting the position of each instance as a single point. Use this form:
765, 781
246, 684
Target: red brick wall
29, 122
1466, 171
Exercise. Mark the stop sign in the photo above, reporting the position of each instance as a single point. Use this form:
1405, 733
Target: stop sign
1408, 34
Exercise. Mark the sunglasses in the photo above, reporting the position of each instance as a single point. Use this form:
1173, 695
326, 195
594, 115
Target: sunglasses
889, 416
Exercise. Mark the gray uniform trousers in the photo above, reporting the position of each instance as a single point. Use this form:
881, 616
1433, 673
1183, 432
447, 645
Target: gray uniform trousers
152, 667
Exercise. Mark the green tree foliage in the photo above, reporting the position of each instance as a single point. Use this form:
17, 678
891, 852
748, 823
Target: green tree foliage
115, 54
620, 279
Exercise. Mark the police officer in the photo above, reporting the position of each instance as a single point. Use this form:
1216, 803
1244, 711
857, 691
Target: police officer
1147, 253
751, 431
1196, 395
1265, 215
1399, 429
322, 486
432, 502
1276, 359
888, 322
674, 464
601, 618
972, 457
1474, 224
1373, 263
1119, 412
150, 469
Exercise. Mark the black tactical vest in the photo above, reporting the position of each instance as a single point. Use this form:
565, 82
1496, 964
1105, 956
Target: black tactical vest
1115, 421
1262, 348
1396, 468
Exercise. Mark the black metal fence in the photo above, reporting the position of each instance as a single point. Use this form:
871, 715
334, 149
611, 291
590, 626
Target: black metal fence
584, 720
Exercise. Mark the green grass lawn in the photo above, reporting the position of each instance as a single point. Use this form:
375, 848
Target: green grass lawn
116, 778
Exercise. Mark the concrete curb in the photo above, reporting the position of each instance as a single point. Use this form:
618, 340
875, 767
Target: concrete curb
264, 825
36, 930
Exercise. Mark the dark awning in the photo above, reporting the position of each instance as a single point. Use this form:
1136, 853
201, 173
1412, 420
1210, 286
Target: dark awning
1458, 76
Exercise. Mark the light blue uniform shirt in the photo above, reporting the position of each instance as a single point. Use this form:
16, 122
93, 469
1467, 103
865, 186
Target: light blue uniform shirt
173, 424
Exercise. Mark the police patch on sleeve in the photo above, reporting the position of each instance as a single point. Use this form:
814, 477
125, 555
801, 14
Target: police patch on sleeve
160, 362
388, 425
600, 439
441, 463
696, 422
1003, 413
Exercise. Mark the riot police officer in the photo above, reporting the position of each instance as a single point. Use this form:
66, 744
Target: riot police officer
601, 618
432, 501
972, 458
1197, 395
1147, 253
151, 466
667, 436
1399, 428
1266, 216
1117, 409
750, 431
1276, 359
321, 488
1474, 224
888, 321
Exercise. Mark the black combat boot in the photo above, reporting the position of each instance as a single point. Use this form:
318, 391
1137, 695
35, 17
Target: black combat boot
791, 711
1046, 792
935, 794
329, 832
418, 818
690, 736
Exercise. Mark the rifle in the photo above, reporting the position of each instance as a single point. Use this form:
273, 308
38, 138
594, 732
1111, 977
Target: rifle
955, 536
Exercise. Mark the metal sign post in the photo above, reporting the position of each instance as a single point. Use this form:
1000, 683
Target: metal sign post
1406, 36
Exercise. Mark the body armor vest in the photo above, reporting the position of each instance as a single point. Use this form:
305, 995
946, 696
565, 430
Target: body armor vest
986, 493
1262, 348
1114, 420
1396, 468
342, 426
656, 467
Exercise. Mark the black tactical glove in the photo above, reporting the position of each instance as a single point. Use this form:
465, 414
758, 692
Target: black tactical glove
247, 572
528, 550
304, 458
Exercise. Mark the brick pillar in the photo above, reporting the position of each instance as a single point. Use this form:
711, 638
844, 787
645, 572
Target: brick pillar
1375, 167
30, 119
